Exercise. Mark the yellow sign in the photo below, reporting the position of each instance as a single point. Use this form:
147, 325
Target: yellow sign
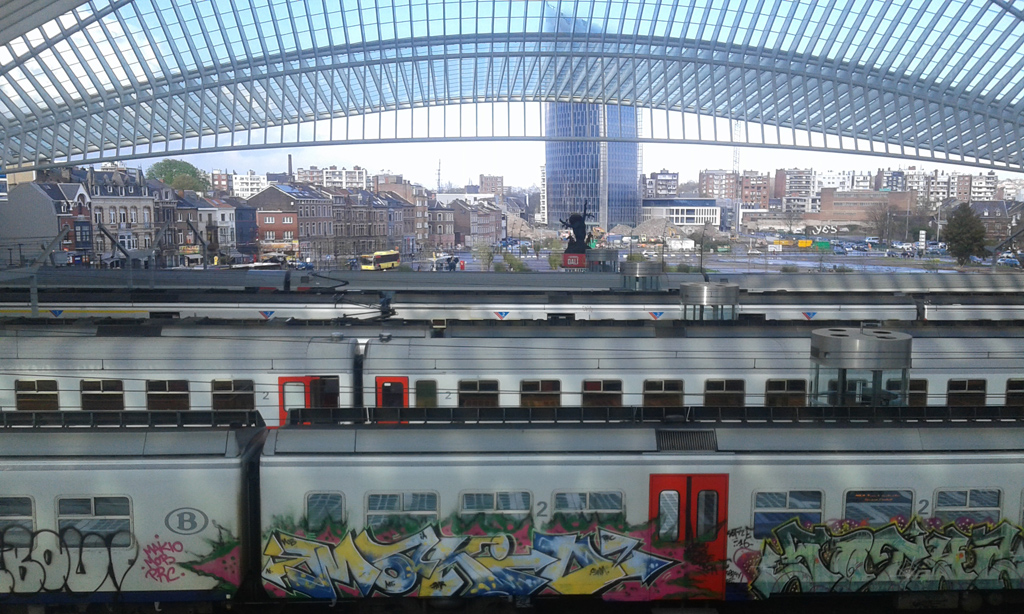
188, 249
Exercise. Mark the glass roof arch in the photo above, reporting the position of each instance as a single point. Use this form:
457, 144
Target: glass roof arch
119, 79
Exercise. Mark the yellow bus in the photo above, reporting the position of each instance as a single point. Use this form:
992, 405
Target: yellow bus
379, 261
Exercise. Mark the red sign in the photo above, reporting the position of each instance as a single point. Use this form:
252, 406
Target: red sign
574, 261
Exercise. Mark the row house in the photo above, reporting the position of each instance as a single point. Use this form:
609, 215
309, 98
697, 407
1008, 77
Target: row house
278, 232
124, 208
478, 223
314, 214
217, 218
360, 223
35, 213
401, 223
441, 227
996, 216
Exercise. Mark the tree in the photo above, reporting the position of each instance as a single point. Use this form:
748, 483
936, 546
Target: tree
180, 175
485, 254
965, 234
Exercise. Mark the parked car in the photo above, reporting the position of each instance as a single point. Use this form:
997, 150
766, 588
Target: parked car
753, 252
977, 260
1011, 262
839, 250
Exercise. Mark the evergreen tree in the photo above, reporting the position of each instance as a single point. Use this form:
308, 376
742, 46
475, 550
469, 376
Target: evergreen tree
965, 234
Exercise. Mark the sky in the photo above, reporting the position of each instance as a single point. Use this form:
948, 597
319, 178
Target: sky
519, 162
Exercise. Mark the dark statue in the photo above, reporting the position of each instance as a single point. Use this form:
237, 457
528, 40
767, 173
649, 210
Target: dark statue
578, 236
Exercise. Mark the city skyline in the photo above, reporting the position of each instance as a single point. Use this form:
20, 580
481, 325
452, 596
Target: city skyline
519, 162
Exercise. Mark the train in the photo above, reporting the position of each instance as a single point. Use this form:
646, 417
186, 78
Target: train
498, 517
331, 296
272, 367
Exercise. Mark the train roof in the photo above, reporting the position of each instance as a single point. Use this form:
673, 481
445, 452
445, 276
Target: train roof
98, 434
399, 440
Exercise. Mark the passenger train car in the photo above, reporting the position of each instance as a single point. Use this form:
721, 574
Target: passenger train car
273, 367
489, 516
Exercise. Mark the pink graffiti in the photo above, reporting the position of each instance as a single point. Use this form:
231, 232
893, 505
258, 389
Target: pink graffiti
160, 560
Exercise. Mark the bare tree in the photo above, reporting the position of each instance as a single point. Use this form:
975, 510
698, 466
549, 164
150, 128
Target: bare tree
886, 222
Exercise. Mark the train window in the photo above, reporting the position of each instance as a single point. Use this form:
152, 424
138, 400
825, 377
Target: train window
917, 391
478, 393
785, 393
102, 395
877, 508
965, 392
383, 509
36, 395
167, 395
606, 502
707, 516
324, 391
16, 521
602, 393
663, 393
233, 394
95, 522
512, 503
967, 508
724, 393
1015, 392
540, 393
668, 515
775, 508
324, 509
426, 393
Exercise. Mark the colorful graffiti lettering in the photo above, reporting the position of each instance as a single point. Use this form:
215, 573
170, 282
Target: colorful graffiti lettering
70, 561
890, 558
160, 562
428, 564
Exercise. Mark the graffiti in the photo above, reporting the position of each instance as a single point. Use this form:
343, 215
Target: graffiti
223, 563
70, 561
428, 564
918, 557
160, 561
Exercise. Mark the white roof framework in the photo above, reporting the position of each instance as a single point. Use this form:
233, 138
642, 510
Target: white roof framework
117, 79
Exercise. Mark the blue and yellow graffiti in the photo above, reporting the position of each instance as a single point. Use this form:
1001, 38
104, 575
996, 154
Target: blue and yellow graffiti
428, 564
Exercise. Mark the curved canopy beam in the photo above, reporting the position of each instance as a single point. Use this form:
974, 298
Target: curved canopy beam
116, 79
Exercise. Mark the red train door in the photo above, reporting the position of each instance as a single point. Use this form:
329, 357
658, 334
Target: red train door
306, 391
692, 509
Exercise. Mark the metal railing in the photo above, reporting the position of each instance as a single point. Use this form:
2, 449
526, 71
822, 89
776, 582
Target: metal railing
637, 415
130, 419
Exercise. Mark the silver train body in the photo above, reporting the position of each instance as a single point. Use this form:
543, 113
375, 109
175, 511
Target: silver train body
272, 368
504, 515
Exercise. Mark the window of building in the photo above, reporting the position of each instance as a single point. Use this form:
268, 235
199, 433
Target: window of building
269, 235
95, 522
775, 508
602, 393
324, 509
17, 521
967, 508
515, 503
36, 395
724, 393
785, 393
102, 395
663, 393
878, 508
426, 393
478, 393
169, 395
585, 502
383, 507
234, 394
540, 393
124, 216
268, 220
965, 392
917, 391
1015, 392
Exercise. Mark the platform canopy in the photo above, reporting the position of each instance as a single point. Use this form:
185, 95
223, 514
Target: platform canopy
118, 79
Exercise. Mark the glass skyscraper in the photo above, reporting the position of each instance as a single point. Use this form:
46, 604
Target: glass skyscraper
604, 174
